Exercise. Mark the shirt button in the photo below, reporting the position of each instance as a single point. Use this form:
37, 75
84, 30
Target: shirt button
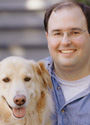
63, 111
58, 88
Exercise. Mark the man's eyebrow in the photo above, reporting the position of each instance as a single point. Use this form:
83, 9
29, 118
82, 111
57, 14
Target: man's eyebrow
57, 30
75, 28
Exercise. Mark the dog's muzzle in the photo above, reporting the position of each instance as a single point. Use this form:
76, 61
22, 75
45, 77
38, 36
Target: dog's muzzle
19, 100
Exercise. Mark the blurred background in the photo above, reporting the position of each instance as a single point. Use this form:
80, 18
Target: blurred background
21, 28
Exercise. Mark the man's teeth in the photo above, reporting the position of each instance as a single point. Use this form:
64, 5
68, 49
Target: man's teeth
67, 51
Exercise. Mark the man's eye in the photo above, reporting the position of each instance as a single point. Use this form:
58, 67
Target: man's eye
6, 79
75, 33
57, 34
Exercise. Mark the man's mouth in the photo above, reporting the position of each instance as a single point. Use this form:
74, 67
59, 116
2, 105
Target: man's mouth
67, 51
17, 112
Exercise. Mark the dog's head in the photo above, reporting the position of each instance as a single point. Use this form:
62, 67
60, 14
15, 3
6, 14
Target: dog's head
21, 83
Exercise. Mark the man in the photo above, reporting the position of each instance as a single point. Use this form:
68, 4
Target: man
67, 26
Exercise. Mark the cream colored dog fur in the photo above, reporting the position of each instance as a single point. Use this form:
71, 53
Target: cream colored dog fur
25, 97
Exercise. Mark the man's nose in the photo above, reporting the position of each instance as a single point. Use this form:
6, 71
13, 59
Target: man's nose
65, 41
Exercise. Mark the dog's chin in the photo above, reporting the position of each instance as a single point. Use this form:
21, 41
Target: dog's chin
17, 112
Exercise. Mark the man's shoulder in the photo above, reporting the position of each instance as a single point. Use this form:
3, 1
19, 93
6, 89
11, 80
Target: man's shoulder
47, 61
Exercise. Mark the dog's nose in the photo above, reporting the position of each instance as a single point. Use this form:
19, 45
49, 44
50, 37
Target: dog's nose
19, 99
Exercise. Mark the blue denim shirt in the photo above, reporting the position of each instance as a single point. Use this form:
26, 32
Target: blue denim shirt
76, 111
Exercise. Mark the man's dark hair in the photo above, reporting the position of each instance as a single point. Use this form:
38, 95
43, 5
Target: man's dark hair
60, 5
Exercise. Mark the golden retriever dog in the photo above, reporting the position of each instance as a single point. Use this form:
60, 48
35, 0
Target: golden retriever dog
25, 97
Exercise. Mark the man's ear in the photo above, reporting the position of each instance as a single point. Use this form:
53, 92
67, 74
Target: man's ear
45, 75
47, 38
46, 34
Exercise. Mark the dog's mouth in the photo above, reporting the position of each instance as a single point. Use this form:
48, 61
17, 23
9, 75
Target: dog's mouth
17, 112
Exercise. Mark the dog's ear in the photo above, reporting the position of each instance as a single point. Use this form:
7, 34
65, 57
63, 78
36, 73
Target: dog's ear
42, 71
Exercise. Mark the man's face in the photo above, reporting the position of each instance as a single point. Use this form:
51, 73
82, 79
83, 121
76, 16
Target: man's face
68, 52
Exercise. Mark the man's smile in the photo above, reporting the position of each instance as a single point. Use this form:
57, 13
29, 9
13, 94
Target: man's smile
67, 51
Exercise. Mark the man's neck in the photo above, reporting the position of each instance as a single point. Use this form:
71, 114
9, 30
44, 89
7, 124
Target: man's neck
72, 74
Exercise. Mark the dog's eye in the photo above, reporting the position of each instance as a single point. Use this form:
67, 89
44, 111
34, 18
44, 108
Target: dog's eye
6, 79
27, 79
